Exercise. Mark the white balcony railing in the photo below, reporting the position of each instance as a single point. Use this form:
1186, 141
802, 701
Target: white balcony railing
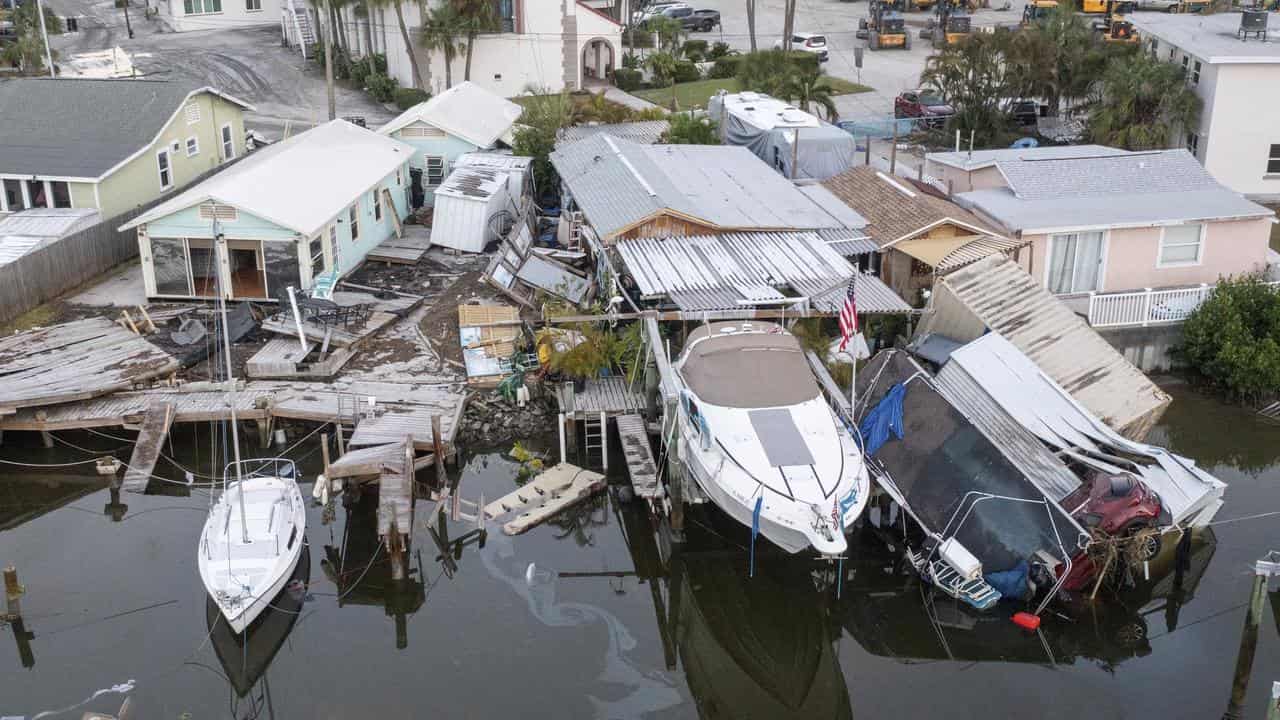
1147, 306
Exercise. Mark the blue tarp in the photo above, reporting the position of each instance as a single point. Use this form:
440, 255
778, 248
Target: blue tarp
1011, 583
884, 418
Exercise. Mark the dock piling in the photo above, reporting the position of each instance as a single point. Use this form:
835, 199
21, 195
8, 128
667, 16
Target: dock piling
13, 592
1266, 568
46, 438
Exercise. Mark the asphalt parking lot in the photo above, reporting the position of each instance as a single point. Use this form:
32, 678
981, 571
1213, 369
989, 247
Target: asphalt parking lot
888, 72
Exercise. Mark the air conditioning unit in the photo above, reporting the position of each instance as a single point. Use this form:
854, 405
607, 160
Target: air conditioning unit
1253, 22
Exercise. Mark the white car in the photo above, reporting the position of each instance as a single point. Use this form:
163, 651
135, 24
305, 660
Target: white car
655, 9
808, 42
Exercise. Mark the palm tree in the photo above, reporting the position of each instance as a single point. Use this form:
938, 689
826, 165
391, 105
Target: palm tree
418, 80
442, 31
1143, 103
368, 36
477, 16
808, 87
689, 130
975, 77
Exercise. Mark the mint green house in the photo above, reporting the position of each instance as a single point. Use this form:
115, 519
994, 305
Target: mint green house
465, 118
302, 213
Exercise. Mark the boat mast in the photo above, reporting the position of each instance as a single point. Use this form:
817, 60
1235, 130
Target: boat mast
220, 245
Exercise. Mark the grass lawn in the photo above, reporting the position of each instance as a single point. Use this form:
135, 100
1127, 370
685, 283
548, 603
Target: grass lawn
696, 94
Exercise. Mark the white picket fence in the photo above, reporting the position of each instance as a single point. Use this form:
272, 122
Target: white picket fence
1147, 306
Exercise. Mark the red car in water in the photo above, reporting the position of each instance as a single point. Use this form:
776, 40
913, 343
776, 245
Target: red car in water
1117, 504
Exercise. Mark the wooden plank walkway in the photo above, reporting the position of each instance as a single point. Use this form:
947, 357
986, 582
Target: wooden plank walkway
537, 501
281, 359
283, 324
146, 449
640, 464
75, 361
608, 395
395, 490
407, 250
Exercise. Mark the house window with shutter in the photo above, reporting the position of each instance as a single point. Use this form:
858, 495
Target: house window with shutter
435, 169
252, 5
1273, 161
228, 143
353, 216
377, 206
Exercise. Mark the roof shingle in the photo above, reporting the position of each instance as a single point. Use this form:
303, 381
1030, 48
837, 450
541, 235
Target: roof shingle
896, 208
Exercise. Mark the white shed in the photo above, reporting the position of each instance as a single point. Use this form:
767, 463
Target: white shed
517, 166
469, 206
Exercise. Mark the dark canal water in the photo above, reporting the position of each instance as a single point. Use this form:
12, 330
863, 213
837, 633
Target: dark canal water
576, 619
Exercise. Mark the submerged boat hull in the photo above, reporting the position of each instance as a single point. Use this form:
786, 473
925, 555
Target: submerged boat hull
244, 578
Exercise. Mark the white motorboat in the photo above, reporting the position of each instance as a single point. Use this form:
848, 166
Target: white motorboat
754, 427
252, 539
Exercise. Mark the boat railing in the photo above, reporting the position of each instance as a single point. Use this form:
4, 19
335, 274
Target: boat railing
261, 467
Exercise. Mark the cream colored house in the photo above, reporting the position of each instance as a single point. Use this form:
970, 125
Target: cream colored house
111, 145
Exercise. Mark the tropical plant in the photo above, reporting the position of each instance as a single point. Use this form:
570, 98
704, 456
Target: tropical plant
767, 71
1142, 103
544, 114
596, 351
27, 52
627, 79
443, 32
686, 129
631, 60
718, 50
809, 89
694, 50
1233, 338
975, 77
1060, 58
686, 71
381, 87
669, 32
600, 109
419, 81
663, 67
408, 97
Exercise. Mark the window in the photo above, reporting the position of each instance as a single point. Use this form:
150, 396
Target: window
1075, 263
377, 206
201, 7
193, 146
166, 173
1193, 144
228, 145
435, 170
399, 179
1273, 161
61, 194
252, 5
333, 246
317, 258
1181, 245
506, 15
353, 215
174, 147
192, 112
1185, 62
1195, 73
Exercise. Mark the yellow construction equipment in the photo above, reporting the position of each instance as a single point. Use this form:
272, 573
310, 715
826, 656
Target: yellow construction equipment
951, 23
1115, 27
1037, 10
886, 27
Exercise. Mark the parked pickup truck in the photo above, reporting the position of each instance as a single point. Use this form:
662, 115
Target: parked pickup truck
689, 19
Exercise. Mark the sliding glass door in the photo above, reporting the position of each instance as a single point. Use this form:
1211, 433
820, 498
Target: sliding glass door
1075, 263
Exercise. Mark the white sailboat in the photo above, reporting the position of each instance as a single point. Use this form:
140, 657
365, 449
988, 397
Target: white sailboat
754, 428
254, 534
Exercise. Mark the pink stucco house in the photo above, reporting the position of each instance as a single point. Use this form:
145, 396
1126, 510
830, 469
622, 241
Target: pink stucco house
1134, 237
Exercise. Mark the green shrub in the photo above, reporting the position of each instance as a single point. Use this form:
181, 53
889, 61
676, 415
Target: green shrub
631, 60
695, 50
718, 50
406, 98
687, 71
381, 87
627, 79
1233, 339
638, 38
725, 67
767, 71
380, 63
357, 71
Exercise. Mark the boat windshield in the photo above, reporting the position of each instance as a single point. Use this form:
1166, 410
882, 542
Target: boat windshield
749, 370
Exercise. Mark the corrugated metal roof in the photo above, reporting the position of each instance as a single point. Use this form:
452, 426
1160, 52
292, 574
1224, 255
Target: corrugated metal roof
465, 110
22, 232
737, 270
647, 132
1023, 449
493, 159
473, 181
619, 183
848, 247
300, 183
977, 249
1006, 300
834, 206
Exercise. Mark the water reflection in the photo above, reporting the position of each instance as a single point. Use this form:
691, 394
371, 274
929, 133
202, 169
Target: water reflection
892, 614
246, 657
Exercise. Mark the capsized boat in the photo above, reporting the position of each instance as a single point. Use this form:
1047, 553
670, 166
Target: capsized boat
754, 428
252, 538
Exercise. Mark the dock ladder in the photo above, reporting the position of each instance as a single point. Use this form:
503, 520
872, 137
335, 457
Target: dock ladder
595, 429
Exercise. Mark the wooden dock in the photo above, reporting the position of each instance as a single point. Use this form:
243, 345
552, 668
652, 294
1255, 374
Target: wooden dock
540, 499
399, 409
282, 359
640, 464
610, 396
406, 250
75, 361
146, 450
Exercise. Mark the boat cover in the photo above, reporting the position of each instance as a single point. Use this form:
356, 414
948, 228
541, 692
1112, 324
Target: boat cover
942, 459
747, 370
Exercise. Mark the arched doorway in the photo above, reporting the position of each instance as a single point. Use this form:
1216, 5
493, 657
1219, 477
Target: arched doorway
597, 62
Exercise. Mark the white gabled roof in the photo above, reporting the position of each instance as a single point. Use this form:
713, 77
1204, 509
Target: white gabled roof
465, 110
300, 183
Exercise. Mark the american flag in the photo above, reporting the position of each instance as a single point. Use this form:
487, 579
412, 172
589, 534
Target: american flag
849, 313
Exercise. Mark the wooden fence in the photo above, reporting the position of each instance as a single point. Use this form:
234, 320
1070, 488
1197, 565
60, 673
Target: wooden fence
50, 271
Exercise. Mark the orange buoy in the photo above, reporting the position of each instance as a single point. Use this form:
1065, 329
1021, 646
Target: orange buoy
1026, 620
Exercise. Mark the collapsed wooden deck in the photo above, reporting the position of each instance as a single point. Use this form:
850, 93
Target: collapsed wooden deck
406, 250
75, 361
